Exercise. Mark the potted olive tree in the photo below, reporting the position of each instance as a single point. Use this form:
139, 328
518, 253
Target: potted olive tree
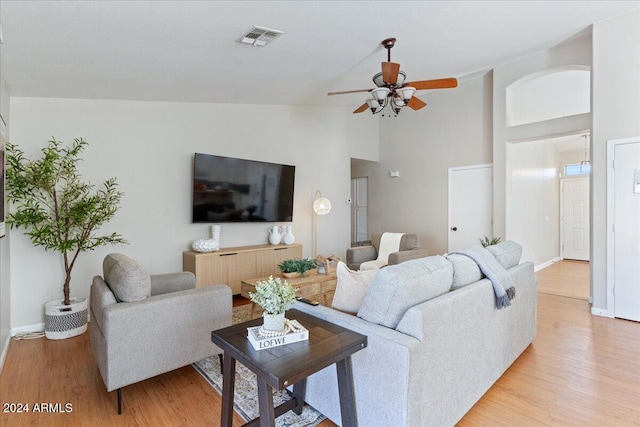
59, 211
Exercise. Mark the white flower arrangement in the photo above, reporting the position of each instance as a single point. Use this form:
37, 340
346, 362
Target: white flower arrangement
274, 295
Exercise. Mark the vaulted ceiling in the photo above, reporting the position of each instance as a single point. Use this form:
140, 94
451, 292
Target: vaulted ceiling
188, 50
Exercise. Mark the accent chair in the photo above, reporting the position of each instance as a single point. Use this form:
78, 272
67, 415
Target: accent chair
145, 325
409, 248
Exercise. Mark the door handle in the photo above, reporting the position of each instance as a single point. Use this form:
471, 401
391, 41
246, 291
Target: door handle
454, 228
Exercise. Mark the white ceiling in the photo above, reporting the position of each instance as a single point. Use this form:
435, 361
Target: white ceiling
187, 50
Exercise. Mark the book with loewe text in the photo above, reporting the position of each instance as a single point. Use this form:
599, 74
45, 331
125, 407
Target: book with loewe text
260, 342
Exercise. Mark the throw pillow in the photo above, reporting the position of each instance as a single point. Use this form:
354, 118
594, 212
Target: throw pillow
507, 253
465, 270
127, 279
397, 288
351, 288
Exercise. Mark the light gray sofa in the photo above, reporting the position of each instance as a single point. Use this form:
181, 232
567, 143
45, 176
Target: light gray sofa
442, 356
409, 249
143, 326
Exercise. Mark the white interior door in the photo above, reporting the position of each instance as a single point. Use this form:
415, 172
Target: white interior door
359, 206
470, 205
575, 218
626, 265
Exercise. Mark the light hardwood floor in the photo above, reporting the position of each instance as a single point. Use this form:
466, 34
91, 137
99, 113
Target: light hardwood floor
566, 278
580, 370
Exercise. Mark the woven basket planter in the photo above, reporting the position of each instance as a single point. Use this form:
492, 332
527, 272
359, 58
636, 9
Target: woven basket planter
65, 321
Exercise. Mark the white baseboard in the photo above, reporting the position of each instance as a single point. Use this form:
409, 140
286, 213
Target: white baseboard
546, 264
5, 350
601, 312
38, 327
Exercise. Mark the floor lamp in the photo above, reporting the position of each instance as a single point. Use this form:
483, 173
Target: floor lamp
321, 206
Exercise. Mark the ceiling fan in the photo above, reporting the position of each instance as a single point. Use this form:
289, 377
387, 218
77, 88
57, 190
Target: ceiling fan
391, 89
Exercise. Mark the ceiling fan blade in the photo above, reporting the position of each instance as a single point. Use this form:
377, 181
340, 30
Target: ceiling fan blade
433, 84
416, 103
349, 91
390, 72
361, 108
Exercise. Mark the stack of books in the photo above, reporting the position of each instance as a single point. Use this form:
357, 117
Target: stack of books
261, 342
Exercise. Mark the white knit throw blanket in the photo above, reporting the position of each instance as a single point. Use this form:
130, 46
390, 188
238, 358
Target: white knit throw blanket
389, 243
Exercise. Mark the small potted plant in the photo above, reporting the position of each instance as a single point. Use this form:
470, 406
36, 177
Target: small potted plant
486, 241
291, 268
275, 296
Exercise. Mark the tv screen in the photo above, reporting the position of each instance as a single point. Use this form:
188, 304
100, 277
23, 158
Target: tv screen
236, 190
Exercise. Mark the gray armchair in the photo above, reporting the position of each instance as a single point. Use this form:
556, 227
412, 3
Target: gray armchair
409, 249
143, 326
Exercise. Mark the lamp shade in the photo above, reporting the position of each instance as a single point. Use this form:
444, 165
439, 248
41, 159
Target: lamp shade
321, 206
402, 76
406, 93
374, 105
380, 94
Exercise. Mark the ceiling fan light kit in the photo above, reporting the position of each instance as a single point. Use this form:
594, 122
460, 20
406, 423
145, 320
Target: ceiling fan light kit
391, 91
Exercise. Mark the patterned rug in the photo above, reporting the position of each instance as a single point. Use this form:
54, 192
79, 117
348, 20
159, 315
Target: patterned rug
245, 401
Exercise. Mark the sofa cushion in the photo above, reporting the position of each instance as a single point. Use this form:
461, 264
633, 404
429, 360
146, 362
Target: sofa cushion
507, 253
399, 287
127, 279
351, 288
465, 271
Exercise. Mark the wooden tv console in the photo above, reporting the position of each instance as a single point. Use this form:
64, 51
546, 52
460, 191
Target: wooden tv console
230, 266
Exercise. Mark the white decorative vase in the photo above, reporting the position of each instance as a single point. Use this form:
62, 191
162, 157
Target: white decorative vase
273, 322
208, 245
288, 237
205, 245
65, 321
215, 233
275, 236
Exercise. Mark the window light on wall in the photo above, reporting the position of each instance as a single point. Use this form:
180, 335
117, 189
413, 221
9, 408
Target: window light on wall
577, 169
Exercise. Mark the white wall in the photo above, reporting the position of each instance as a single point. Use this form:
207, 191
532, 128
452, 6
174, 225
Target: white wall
616, 115
149, 147
555, 93
454, 129
5, 276
576, 52
533, 207
569, 157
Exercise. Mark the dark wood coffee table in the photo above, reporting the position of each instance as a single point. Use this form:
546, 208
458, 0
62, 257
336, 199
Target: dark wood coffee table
291, 364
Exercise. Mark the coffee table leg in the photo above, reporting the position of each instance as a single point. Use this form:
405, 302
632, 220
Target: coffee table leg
228, 385
347, 397
265, 401
299, 392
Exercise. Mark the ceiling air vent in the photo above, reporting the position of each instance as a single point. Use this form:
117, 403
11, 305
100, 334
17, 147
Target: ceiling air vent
259, 36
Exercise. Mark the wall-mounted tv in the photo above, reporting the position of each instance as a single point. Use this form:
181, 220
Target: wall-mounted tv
237, 190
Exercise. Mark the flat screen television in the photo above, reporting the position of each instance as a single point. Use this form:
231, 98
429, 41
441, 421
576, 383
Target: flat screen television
237, 190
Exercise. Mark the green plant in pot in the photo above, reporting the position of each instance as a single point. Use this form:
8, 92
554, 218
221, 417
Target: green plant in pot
486, 241
275, 296
296, 267
59, 211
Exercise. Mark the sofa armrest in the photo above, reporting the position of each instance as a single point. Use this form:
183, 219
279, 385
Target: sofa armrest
391, 358
161, 333
172, 282
402, 256
360, 254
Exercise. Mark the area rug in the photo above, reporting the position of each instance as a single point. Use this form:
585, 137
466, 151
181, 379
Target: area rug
245, 401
